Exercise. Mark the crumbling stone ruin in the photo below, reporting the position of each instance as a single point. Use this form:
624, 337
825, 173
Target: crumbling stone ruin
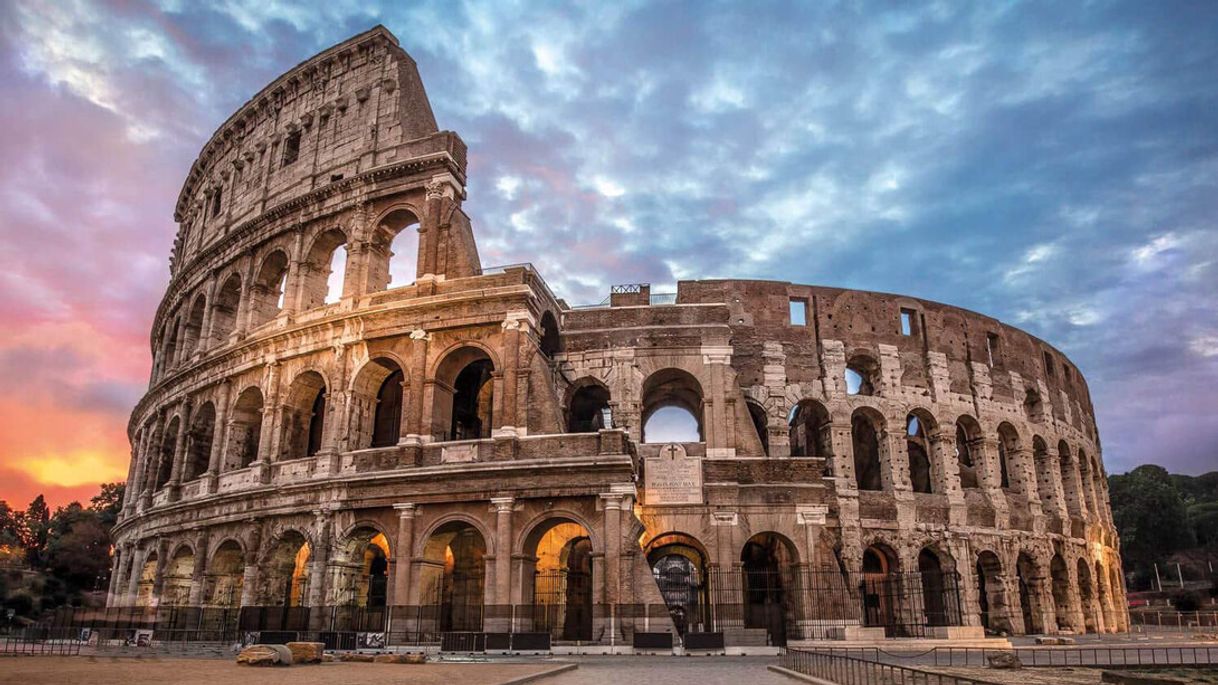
465, 451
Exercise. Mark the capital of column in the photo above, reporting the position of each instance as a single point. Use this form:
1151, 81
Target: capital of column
420, 334
716, 354
518, 319
503, 505
811, 514
405, 510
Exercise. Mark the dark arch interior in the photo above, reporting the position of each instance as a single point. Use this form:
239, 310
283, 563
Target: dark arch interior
866, 442
387, 420
589, 410
810, 430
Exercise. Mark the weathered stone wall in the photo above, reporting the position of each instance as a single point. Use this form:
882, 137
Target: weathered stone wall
275, 419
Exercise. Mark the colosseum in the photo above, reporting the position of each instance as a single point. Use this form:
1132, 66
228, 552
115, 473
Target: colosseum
354, 427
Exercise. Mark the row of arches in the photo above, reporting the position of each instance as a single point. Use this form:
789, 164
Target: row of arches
329, 268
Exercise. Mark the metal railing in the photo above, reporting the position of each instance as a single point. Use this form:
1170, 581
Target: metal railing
41, 643
1069, 656
849, 670
1173, 620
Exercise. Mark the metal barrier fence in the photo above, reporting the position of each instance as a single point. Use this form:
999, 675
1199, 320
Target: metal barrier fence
848, 670
1072, 656
1173, 620
41, 643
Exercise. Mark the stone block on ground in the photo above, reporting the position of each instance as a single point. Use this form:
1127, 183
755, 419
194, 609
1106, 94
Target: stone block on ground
265, 655
1003, 660
355, 656
307, 652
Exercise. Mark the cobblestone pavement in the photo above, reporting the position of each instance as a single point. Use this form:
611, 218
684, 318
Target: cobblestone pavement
660, 670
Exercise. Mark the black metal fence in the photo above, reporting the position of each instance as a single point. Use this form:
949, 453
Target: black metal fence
850, 670
1065, 656
42, 642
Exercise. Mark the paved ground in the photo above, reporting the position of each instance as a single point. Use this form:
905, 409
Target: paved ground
40, 670
659, 670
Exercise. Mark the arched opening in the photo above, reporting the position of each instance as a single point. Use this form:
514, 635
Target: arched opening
758, 416
1086, 595
561, 579
940, 601
810, 425
765, 561
862, 375
1086, 483
588, 411
919, 425
880, 606
245, 430
672, 407
550, 343
267, 292
304, 416
865, 430
1008, 444
169, 357
452, 576
1060, 576
361, 569
394, 252
1028, 577
177, 581
1069, 477
464, 396
678, 564
143, 594
1033, 407
224, 310
193, 337
286, 572
1045, 469
376, 405
968, 447
323, 270
225, 577
991, 596
199, 442
169, 441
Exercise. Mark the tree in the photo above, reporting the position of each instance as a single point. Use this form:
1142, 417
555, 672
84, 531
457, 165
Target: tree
1150, 515
79, 551
12, 527
108, 502
37, 525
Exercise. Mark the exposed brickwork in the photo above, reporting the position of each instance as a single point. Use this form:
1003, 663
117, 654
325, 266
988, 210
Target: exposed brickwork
266, 418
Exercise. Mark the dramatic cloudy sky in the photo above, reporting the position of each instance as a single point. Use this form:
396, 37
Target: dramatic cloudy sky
1053, 164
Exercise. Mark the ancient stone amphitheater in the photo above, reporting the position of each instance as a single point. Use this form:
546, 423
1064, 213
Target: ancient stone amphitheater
352, 425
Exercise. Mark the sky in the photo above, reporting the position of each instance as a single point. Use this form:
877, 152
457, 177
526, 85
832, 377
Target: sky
1051, 164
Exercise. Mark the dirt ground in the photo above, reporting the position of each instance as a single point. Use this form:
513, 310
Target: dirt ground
118, 671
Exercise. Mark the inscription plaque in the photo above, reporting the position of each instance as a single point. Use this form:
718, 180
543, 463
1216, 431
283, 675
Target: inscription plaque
672, 477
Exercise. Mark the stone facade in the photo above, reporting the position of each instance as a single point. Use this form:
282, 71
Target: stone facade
470, 440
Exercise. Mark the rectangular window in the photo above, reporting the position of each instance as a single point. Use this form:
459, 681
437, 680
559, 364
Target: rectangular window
991, 346
799, 311
215, 204
1048, 362
907, 321
291, 148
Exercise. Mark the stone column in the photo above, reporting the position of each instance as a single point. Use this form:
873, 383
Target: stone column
152, 460
138, 557
116, 571
158, 581
198, 575
179, 451
219, 438
404, 550
319, 559
503, 549
515, 325
613, 541
249, 575
716, 424
416, 433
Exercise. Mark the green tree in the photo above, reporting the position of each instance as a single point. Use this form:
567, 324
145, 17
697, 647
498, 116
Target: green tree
108, 502
37, 526
1150, 515
78, 551
12, 526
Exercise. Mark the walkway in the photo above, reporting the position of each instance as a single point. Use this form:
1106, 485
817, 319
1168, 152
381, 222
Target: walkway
660, 670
